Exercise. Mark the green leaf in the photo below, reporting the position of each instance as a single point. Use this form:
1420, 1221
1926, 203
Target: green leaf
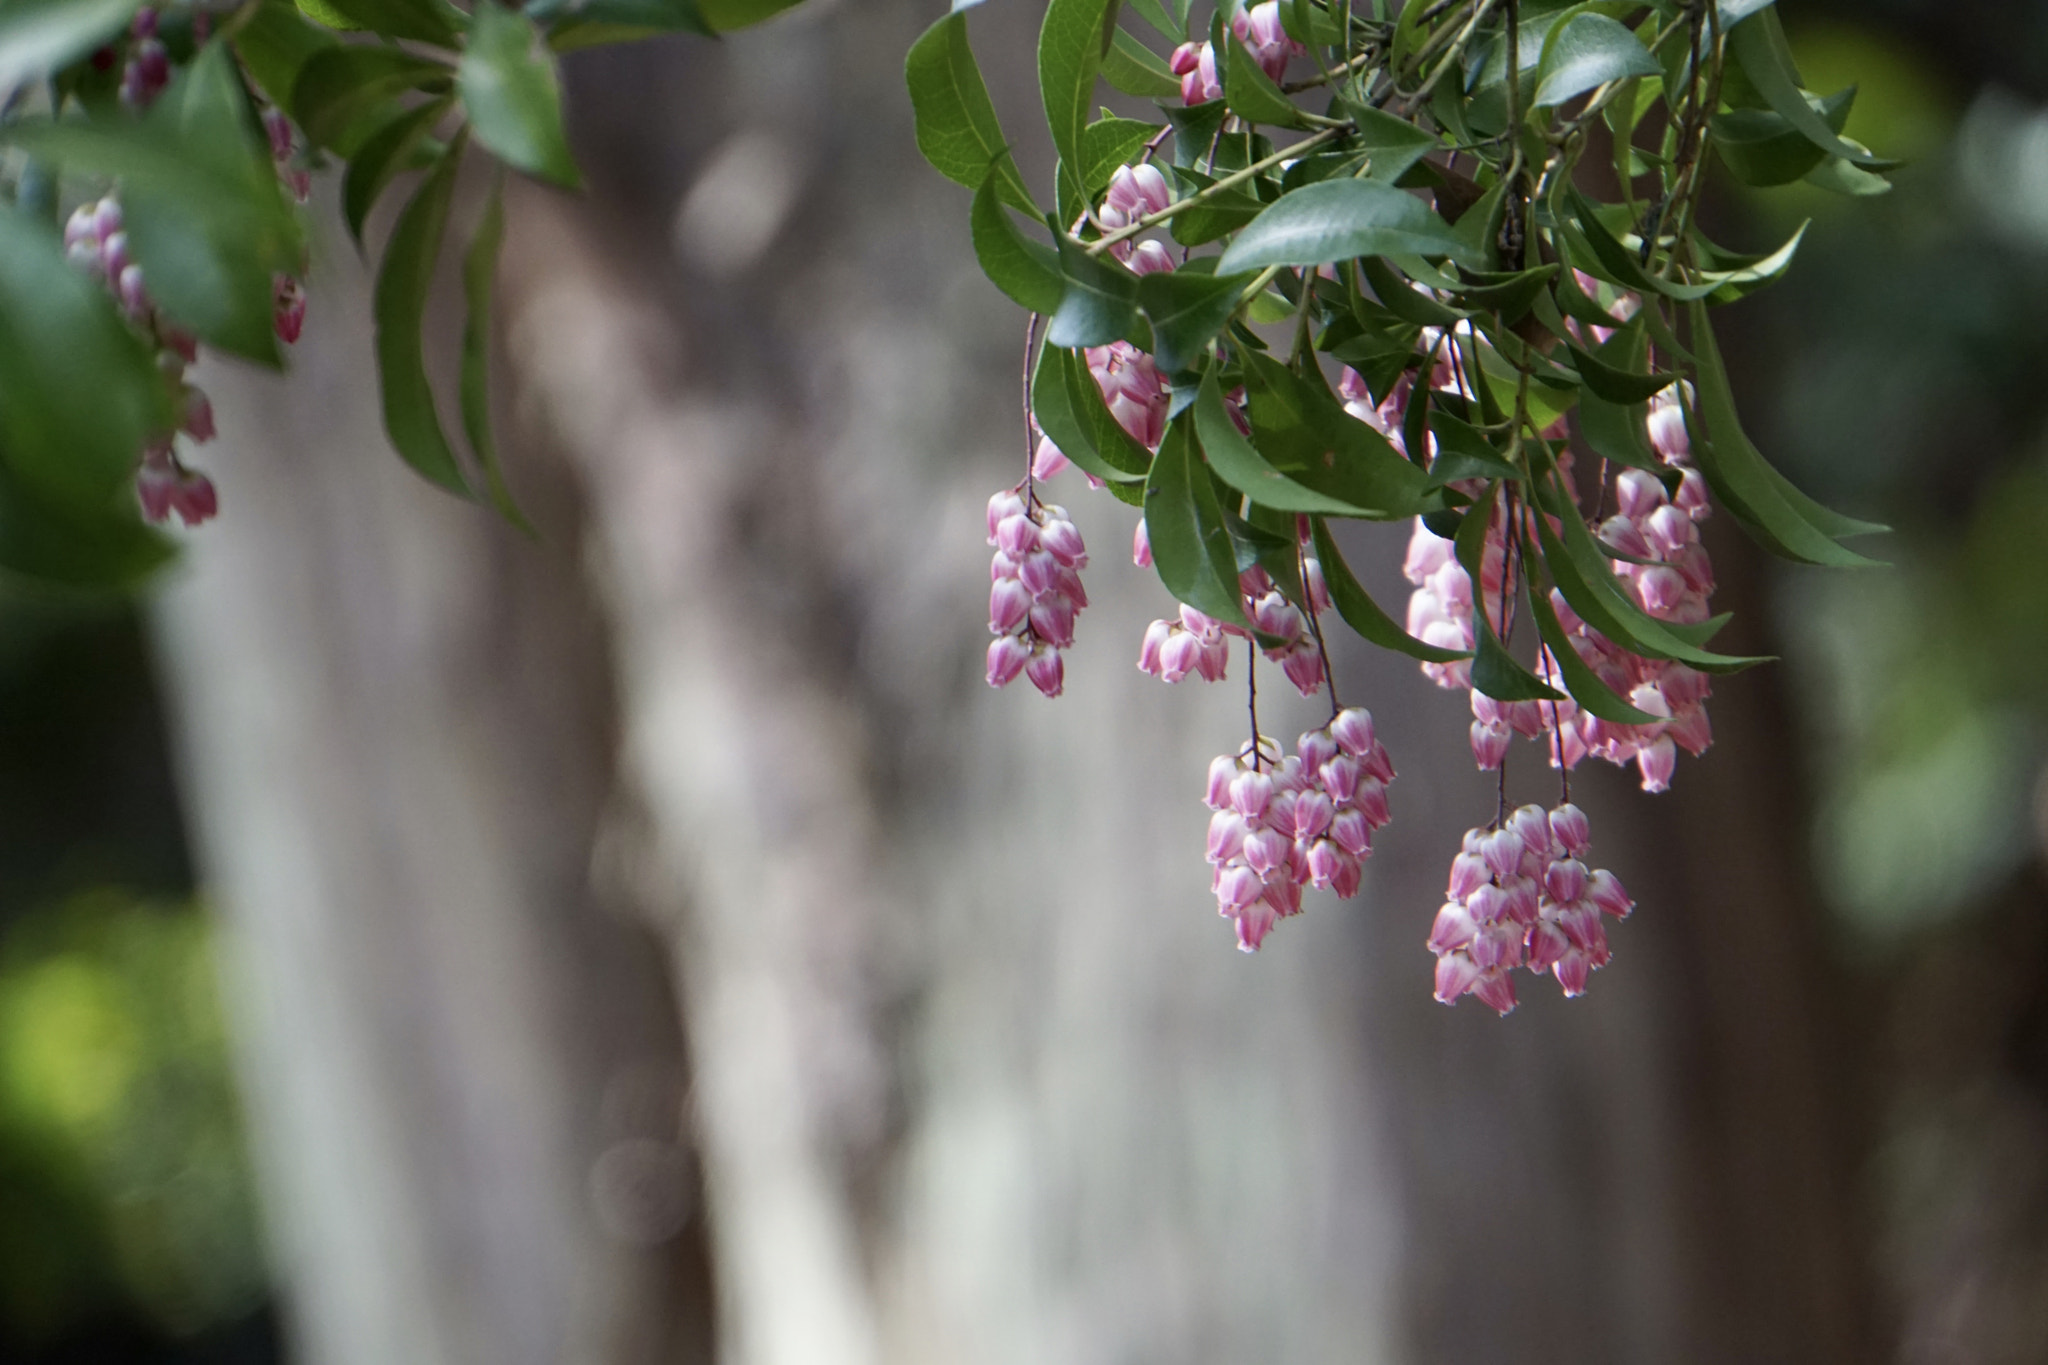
1306, 434
426, 21
274, 44
382, 156
1581, 681
1337, 220
1616, 432
323, 13
1187, 310
1785, 519
1363, 614
1191, 545
1581, 569
344, 94
38, 37
1463, 452
1392, 144
1238, 463
1223, 211
400, 308
956, 125
1155, 14
1839, 177
479, 270
79, 392
1028, 271
1135, 69
1588, 51
1109, 143
1071, 43
1509, 293
1762, 148
52, 541
205, 217
1251, 93
1758, 46
1494, 670
1617, 385
1100, 300
1403, 302
513, 96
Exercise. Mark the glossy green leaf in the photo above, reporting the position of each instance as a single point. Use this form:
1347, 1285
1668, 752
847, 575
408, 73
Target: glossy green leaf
1584, 575
382, 156
1156, 14
1337, 220
1494, 670
1786, 519
1403, 302
479, 273
1187, 310
1105, 435
1251, 93
1757, 45
400, 307
1224, 211
1363, 614
1580, 680
79, 392
323, 13
1100, 301
956, 124
274, 43
39, 36
344, 94
1761, 148
1071, 43
52, 541
1508, 293
1238, 463
1616, 432
514, 99
1028, 271
1463, 452
1306, 434
1191, 546
1618, 385
1839, 177
1109, 143
1589, 50
426, 21
1135, 69
1392, 145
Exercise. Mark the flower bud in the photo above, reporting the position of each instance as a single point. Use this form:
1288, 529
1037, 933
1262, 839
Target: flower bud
1605, 890
1045, 670
1006, 658
1570, 826
1251, 791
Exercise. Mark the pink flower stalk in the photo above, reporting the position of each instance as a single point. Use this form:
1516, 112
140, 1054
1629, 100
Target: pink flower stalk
164, 486
1035, 590
1520, 896
1280, 822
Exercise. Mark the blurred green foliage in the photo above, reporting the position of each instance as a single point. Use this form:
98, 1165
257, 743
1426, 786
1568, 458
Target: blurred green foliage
118, 1125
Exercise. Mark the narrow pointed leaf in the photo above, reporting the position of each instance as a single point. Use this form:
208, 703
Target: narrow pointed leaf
1589, 50
1336, 220
1099, 301
1363, 614
1251, 94
1494, 670
1758, 45
1109, 143
1187, 310
400, 307
383, 155
1071, 43
513, 96
1135, 69
956, 124
1238, 463
1191, 546
1028, 271
479, 272
1054, 409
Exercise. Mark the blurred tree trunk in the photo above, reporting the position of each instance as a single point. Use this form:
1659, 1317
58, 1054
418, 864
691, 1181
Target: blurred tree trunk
977, 1074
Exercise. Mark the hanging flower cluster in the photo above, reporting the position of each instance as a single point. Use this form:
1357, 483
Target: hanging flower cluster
1357, 269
